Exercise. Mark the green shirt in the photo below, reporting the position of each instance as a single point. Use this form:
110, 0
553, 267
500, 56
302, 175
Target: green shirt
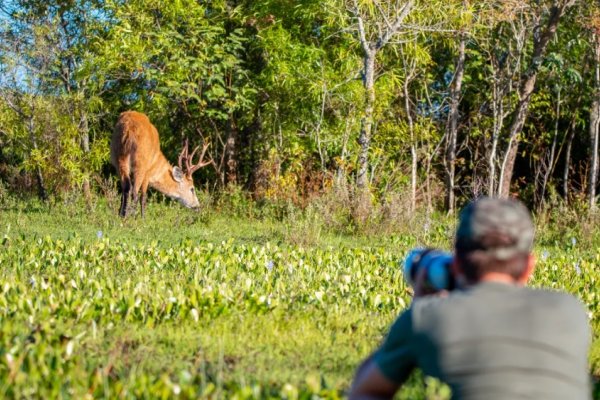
494, 341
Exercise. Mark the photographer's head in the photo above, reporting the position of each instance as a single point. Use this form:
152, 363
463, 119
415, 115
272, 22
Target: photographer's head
494, 238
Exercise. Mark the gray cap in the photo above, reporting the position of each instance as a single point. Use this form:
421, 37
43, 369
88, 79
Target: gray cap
502, 227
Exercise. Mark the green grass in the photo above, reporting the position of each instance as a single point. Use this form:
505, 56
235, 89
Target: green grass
217, 304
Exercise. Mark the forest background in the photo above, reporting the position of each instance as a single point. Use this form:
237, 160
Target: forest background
381, 106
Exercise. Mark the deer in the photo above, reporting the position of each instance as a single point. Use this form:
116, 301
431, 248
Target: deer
135, 153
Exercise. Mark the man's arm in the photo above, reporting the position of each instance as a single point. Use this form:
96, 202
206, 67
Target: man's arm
370, 383
382, 373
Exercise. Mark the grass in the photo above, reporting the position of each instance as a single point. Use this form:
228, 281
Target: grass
218, 304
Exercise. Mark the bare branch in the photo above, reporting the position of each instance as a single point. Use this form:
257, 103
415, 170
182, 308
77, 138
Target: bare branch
361, 29
350, 79
382, 11
433, 28
396, 25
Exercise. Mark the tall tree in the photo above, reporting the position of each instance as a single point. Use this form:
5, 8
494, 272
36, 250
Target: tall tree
375, 25
544, 31
56, 42
594, 124
453, 115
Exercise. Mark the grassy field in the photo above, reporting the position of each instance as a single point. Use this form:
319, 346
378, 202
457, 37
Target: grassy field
220, 304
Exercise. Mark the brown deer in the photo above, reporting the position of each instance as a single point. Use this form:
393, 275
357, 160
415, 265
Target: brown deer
135, 153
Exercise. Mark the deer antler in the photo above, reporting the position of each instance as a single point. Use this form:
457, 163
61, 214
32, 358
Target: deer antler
191, 168
184, 154
187, 158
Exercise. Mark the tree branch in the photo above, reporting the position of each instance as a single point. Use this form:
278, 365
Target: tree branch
396, 25
385, 19
361, 30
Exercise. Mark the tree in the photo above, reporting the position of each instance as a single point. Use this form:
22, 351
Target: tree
24, 61
453, 115
48, 51
543, 33
375, 25
594, 124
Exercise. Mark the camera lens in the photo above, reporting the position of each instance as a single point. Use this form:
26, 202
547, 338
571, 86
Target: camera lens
436, 264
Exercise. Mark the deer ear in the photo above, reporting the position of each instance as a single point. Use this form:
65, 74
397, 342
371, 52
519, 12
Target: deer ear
177, 174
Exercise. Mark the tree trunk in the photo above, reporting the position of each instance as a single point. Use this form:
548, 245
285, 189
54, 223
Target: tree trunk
364, 139
452, 126
550, 165
85, 147
251, 139
340, 175
498, 110
42, 192
413, 149
515, 130
565, 180
526, 89
231, 153
594, 127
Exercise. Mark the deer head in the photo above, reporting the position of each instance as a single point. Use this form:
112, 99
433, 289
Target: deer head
182, 174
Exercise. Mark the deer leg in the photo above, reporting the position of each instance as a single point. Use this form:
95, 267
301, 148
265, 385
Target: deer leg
142, 203
124, 169
126, 187
135, 194
143, 198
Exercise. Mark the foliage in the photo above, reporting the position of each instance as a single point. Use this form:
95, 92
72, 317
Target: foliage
270, 80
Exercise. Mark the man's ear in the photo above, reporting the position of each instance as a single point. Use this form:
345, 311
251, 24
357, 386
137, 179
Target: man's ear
528, 272
177, 174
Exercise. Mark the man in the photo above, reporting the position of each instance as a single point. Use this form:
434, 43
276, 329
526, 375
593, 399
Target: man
493, 338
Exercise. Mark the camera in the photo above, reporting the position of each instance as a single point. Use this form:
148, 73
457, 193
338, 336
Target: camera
436, 263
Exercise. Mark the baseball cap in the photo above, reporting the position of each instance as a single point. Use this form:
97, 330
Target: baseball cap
500, 227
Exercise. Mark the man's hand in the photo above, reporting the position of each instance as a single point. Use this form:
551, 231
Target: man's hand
421, 288
370, 383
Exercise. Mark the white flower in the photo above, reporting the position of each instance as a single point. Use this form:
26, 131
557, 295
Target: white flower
176, 389
99, 234
195, 314
69, 349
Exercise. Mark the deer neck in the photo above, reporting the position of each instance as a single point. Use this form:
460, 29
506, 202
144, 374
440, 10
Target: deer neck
162, 178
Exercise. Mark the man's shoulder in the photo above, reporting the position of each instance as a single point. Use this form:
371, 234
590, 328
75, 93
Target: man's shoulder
552, 298
486, 296
558, 303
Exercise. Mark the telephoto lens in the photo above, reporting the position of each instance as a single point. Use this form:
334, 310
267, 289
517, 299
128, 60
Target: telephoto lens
438, 274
